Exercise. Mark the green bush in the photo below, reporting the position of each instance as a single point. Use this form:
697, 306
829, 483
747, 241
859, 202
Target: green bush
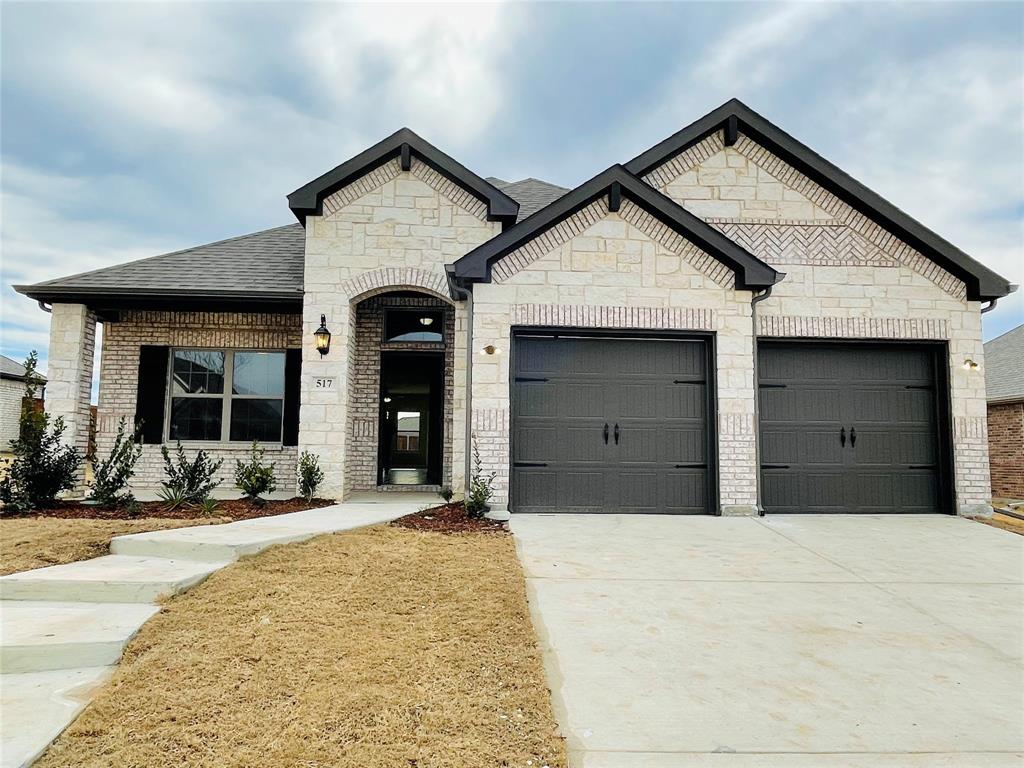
42, 466
188, 482
207, 507
481, 487
111, 475
310, 474
254, 477
446, 493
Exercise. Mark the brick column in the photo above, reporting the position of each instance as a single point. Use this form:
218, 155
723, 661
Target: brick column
69, 375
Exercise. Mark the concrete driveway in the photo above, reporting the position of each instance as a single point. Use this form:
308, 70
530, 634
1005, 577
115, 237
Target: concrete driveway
789, 641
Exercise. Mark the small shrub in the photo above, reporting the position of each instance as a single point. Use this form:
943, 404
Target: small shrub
188, 482
254, 477
446, 494
42, 466
481, 487
208, 507
310, 474
111, 475
172, 496
133, 508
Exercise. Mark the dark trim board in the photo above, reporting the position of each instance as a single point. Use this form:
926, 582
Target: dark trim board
734, 118
709, 339
939, 362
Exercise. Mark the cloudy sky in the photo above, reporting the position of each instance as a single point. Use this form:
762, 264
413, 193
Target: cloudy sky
131, 129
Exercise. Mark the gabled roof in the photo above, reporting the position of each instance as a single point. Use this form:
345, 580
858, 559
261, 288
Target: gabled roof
404, 144
264, 266
12, 369
735, 118
531, 194
1004, 367
751, 273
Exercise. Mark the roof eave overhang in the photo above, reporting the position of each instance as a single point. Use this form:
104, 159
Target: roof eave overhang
102, 299
751, 273
734, 118
308, 199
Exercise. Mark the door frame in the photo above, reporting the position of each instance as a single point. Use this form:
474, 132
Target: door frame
711, 395
435, 422
939, 353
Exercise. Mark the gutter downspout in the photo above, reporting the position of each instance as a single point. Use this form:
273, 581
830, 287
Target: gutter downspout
991, 305
754, 301
462, 293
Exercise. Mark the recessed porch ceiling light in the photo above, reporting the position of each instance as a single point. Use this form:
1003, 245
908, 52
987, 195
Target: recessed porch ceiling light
426, 321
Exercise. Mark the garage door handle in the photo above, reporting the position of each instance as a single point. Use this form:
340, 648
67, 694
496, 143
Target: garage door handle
606, 433
530, 464
853, 437
616, 434
842, 436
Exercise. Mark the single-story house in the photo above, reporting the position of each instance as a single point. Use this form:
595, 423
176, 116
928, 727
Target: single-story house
1004, 381
725, 324
12, 394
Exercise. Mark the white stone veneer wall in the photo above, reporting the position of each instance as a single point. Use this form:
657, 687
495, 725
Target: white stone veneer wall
11, 394
119, 378
390, 230
618, 270
846, 277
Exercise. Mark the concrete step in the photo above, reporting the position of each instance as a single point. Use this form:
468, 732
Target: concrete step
36, 706
207, 543
108, 579
36, 636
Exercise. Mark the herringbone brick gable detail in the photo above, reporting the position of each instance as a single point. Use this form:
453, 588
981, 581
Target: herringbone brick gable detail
390, 278
852, 327
772, 240
644, 222
588, 316
391, 170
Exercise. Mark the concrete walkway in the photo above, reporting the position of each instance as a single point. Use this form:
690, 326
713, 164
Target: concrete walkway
63, 627
783, 642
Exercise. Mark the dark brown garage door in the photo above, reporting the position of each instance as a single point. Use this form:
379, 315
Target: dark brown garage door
851, 428
610, 425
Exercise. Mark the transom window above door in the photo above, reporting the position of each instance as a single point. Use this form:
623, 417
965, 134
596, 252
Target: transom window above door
412, 324
226, 395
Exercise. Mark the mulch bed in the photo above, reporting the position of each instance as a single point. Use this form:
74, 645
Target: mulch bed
449, 518
235, 509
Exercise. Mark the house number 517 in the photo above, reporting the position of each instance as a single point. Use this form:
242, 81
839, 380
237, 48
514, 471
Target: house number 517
324, 383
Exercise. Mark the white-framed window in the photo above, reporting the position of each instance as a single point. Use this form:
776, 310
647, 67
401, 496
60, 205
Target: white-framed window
225, 395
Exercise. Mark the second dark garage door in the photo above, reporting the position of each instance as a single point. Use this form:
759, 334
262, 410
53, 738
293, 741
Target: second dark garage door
610, 425
854, 427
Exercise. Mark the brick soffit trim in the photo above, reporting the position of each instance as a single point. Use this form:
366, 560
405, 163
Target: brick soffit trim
771, 239
554, 238
588, 316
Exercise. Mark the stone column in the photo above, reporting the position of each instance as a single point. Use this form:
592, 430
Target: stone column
69, 375
737, 449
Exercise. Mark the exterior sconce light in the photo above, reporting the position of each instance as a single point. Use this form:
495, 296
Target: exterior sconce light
970, 365
323, 337
426, 321
490, 349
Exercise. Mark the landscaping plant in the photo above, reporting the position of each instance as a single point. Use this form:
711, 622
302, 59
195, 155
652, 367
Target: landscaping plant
254, 477
446, 494
111, 475
481, 487
188, 482
310, 474
42, 466
208, 506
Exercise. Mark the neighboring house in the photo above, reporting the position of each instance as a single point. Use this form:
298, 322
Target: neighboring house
1004, 382
12, 392
724, 323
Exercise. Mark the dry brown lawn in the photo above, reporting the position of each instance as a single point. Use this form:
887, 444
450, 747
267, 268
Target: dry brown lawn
35, 542
1006, 522
379, 648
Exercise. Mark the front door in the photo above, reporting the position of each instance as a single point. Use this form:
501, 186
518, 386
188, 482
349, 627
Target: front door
411, 425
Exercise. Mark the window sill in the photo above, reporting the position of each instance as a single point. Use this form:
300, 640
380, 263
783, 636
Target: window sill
219, 445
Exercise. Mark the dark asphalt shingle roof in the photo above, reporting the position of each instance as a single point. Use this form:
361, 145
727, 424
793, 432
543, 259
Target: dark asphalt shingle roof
12, 369
1004, 366
262, 264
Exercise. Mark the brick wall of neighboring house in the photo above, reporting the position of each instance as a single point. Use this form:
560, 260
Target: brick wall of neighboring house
364, 389
846, 277
1006, 449
11, 394
119, 375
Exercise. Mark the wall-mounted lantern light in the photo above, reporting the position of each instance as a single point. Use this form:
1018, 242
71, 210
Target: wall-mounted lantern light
970, 365
323, 337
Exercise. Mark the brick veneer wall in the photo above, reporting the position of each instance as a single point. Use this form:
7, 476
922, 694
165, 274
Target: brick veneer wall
364, 387
846, 277
1006, 449
119, 375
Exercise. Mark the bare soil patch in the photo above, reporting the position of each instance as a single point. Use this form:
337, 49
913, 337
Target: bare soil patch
1005, 522
378, 648
230, 509
449, 518
36, 542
